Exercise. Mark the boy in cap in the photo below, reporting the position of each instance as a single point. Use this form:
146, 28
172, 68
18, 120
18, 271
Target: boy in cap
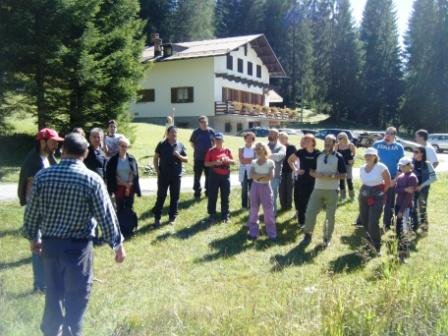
405, 187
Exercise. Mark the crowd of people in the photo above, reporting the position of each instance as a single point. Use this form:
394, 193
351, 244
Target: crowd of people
97, 178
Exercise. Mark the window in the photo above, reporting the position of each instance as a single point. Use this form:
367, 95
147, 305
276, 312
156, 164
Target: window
228, 127
259, 71
229, 62
240, 65
182, 95
249, 68
239, 127
245, 50
146, 96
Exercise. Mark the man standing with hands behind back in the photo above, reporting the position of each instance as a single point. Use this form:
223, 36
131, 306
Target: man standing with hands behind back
202, 140
64, 199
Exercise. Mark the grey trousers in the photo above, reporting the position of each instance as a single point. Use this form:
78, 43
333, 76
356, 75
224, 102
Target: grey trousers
68, 276
371, 201
320, 199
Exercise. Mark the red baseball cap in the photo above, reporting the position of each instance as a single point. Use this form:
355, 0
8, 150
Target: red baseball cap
47, 134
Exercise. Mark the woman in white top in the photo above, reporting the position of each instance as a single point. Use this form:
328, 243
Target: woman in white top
375, 179
246, 154
262, 172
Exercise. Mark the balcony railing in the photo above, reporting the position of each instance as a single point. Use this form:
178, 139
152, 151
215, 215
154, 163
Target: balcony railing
252, 110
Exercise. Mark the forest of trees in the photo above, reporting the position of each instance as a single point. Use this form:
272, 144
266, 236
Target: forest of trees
75, 60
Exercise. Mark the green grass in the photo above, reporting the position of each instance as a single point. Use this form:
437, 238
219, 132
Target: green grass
194, 279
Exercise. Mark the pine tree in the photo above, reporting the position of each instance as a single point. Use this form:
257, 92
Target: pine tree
239, 17
343, 83
79, 60
194, 20
31, 34
382, 72
321, 16
159, 16
426, 103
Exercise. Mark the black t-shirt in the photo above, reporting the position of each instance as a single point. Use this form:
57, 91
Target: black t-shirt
169, 165
308, 161
290, 149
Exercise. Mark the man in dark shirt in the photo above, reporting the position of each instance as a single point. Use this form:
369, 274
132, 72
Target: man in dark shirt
40, 157
96, 159
202, 140
286, 187
168, 158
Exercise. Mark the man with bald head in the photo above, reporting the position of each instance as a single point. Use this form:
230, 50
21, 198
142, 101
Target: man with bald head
65, 199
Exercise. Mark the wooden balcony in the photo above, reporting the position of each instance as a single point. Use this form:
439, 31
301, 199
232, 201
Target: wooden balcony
251, 110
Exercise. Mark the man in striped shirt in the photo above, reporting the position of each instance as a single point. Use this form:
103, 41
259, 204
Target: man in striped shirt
65, 200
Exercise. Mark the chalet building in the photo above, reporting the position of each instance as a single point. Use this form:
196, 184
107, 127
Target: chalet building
225, 79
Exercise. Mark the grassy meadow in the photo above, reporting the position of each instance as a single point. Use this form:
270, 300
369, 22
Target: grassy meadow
199, 279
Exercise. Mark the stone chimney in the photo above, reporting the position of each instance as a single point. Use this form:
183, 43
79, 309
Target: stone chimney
157, 41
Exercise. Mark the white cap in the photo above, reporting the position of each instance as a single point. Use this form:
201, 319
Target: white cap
371, 151
404, 161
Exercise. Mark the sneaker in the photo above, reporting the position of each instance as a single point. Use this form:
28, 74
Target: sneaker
249, 237
326, 242
306, 239
157, 223
172, 220
226, 220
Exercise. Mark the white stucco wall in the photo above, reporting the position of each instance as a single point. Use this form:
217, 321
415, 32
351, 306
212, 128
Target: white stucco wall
220, 66
197, 73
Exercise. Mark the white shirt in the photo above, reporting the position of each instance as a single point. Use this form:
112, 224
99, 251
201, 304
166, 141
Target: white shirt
112, 143
374, 177
431, 155
262, 169
45, 161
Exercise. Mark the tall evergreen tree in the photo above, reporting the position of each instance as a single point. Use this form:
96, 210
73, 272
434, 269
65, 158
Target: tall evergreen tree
239, 17
159, 17
321, 16
194, 20
426, 103
382, 72
31, 34
343, 83
79, 60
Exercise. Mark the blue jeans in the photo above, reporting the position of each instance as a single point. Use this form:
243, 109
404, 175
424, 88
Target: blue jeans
38, 271
275, 184
68, 276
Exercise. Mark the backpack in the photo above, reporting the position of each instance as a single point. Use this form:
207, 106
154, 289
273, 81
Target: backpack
127, 219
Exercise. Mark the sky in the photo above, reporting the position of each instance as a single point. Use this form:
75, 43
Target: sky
403, 8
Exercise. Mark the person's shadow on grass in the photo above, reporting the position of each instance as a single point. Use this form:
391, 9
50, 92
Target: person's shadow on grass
295, 257
229, 246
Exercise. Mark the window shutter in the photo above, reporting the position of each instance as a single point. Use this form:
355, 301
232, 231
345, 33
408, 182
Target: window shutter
190, 94
173, 95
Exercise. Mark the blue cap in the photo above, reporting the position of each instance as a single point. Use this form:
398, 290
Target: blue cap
219, 136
